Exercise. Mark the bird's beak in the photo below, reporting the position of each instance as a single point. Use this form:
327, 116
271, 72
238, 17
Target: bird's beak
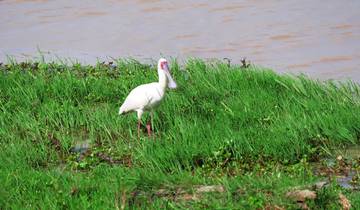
171, 82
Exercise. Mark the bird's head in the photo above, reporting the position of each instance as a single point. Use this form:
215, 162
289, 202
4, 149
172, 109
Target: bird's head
164, 66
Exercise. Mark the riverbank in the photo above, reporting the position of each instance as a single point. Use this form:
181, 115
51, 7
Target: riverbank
230, 136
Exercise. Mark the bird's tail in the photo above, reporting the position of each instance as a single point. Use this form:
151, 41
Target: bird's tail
122, 111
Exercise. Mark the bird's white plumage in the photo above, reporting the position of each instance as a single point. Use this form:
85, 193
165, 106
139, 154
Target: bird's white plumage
148, 96
143, 97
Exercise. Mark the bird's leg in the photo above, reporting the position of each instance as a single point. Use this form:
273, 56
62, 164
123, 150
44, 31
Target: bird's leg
152, 120
138, 128
148, 127
139, 113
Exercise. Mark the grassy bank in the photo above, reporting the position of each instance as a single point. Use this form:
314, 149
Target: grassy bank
249, 130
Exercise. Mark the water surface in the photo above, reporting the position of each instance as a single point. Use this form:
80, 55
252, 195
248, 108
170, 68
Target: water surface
318, 38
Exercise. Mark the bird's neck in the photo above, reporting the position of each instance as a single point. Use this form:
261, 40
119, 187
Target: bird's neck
163, 81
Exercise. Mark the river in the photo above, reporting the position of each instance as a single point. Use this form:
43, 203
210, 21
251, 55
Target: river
314, 37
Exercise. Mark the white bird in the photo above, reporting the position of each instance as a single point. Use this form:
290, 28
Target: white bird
146, 97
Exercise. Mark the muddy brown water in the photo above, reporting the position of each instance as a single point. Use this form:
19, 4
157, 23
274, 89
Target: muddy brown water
318, 38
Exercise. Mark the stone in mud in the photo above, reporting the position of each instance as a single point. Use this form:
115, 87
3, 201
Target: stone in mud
319, 185
210, 188
188, 197
301, 195
345, 203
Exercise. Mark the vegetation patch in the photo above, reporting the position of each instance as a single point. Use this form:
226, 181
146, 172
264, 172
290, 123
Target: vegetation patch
253, 132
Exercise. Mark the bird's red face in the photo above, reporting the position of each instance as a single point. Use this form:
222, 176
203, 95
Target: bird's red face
164, 65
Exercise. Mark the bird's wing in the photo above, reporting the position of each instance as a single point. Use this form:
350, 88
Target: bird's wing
138, 98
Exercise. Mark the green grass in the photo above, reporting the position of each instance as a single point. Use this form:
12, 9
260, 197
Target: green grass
249, 129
